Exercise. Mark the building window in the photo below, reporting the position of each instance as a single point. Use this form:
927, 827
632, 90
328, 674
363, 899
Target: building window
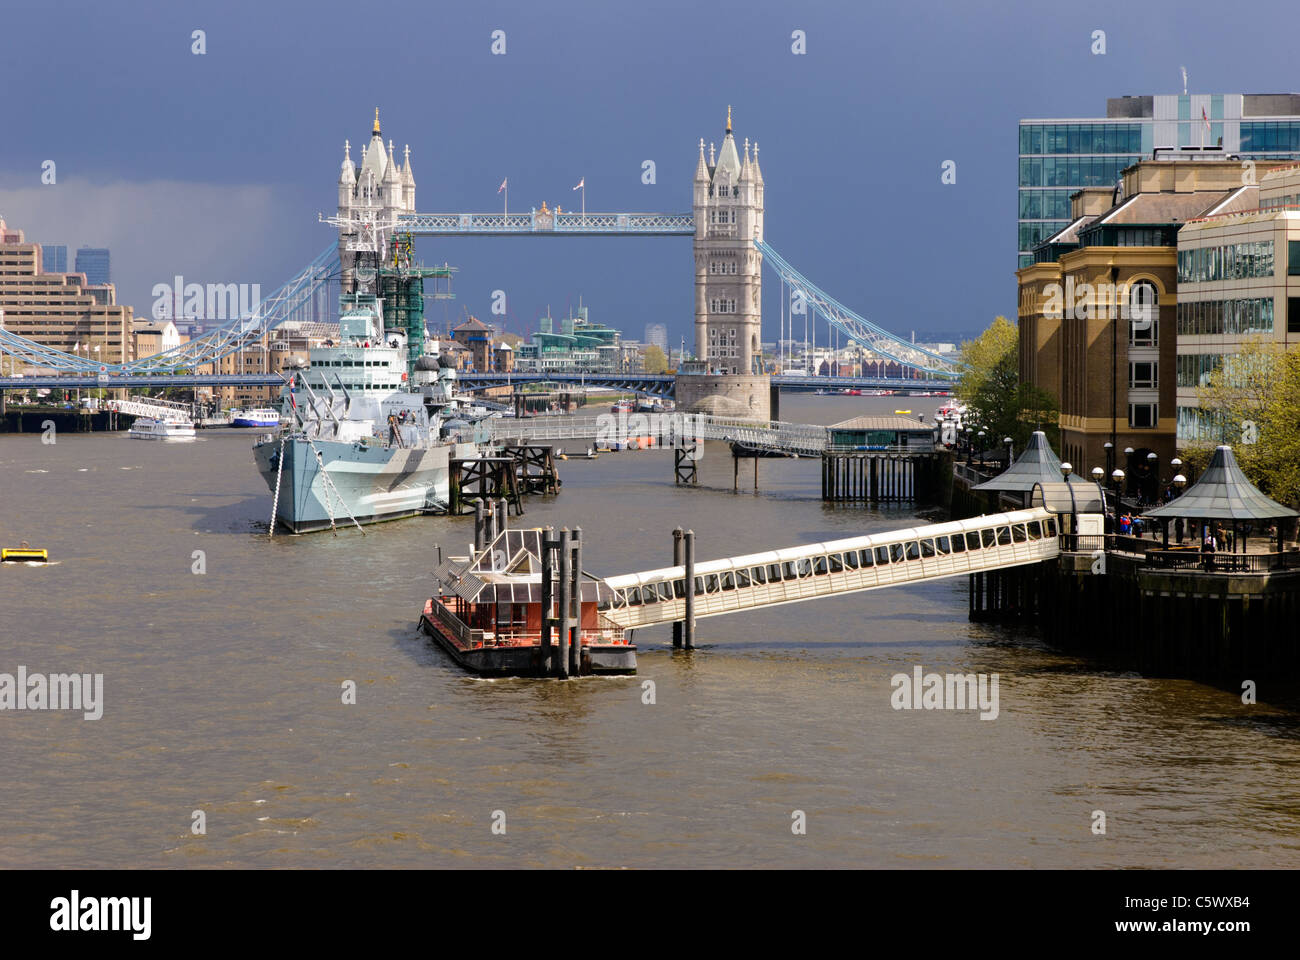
1293, 314
1144, 313
1143, 375
1293, 258
1143, 415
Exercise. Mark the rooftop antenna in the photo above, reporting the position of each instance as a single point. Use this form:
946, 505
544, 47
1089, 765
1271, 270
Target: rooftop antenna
1184, 69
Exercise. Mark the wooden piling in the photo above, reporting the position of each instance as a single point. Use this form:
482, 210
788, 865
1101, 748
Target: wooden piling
562, 653
575, 603
677, 562
688, 625
549, 545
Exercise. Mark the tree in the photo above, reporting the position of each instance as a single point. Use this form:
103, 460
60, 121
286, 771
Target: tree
996, 401
655, 360
1252, 403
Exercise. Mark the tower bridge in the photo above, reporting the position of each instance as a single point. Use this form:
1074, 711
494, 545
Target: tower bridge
376, 202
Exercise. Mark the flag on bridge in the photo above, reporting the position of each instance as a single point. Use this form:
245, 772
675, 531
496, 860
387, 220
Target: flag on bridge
503, 185
581, 183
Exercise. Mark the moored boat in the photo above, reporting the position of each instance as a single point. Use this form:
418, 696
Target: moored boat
367, 442
262, 417
162, 428
486, 613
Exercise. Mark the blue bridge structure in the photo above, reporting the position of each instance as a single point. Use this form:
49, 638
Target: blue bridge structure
378, 217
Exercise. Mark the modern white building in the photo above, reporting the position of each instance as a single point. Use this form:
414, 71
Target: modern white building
657, 335
1238, 280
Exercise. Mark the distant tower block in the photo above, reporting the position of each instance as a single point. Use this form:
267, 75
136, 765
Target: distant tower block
728, 378
376, 192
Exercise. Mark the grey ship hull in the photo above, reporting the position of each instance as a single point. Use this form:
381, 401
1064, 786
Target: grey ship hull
371, 482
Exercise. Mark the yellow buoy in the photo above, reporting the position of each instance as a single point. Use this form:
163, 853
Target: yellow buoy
23, 553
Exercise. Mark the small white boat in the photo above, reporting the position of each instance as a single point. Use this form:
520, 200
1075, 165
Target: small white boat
261, 417
162, 428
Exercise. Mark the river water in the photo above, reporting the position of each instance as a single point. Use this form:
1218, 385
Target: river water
222, 694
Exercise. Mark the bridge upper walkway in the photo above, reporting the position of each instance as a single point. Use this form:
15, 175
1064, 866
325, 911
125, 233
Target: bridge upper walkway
793, 574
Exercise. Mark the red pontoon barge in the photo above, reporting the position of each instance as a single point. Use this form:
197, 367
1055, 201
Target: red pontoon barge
487, 611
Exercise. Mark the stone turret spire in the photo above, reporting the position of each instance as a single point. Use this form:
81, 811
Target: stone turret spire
756, 173
347, 175
701, 171
745, 170
712, 161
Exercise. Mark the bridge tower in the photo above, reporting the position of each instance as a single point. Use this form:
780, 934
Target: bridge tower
728, 206
371, 197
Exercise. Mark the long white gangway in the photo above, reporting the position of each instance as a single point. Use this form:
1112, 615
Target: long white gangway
792, 574
667, 428
152, 407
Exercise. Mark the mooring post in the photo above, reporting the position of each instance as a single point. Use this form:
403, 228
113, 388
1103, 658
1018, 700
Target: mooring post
677, 562
562, 651
503, 515
548, 593
575, 603
478, 525
735, 472
688, 625
756, 474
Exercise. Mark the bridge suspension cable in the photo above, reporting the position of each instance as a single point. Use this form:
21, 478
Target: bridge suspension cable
290, 298
855, 327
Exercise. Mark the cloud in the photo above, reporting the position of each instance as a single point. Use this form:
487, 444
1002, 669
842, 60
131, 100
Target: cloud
156, 230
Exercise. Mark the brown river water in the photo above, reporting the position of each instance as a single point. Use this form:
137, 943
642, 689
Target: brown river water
222, 694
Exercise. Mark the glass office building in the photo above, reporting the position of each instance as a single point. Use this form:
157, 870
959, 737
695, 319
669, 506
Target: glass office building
93, 262
1058, 157
54, 257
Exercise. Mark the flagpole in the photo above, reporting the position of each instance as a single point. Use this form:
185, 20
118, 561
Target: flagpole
584, 201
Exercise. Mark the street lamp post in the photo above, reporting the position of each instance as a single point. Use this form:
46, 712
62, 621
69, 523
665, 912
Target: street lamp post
1117, 478
970, 448
1110, 455
1153, 476
1007, 442
1179, 482
981, 439
1066, 469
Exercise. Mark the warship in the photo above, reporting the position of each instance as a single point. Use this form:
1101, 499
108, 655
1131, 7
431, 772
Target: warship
366, 439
